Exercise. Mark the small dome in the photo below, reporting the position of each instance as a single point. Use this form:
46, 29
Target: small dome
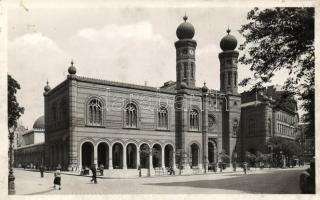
39, 123
183, 85
228, 42
47, 88
204, 88
72, 69
185, 30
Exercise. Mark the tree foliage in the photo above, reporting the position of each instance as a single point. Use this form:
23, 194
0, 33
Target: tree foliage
14, 109
287, 147
277, 39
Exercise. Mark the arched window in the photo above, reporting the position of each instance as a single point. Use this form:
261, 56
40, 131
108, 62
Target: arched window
269, 127
185, 70
194, 120
211, 121
251, 126
235, 127
94, 115
131, 116
192, 71
162, 118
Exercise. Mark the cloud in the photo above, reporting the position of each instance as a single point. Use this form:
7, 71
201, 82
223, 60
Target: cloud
131, 53
32, 59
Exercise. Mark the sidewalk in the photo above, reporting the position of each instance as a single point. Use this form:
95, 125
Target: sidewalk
134, 173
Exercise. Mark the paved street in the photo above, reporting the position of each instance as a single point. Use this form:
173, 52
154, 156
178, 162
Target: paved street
267, 181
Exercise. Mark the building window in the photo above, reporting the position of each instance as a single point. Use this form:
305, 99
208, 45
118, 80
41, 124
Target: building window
269, 127
235, 127
211, 121
163, 118
185, 70
251, 127
192, 69
131, 116
95, 107
229, 78
235, 79
194, 120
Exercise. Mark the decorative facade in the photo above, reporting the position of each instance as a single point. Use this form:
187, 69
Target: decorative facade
92, 121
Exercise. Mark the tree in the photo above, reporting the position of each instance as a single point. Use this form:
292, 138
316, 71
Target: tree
14, 109
282, 38
287, 147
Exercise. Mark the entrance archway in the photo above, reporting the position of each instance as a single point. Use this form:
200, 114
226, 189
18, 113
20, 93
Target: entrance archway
211, 152
117, 156
168, 155
87, 154
144, 155
156, 155
194, 154
131, 156
103, 155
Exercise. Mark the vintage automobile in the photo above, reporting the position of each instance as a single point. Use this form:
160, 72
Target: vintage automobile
307, 179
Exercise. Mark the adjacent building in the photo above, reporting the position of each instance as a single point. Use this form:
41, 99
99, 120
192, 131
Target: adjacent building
263, 116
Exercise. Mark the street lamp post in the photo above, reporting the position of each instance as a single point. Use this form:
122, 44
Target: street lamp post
11, 178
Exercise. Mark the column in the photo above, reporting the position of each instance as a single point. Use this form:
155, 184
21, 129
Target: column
95, 155
138, 158
150, 160
80, 158
110, 158
124, 158
162, 158
174, 160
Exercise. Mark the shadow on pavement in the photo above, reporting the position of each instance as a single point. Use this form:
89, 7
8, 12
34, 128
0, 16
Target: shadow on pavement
42, 192
268, 183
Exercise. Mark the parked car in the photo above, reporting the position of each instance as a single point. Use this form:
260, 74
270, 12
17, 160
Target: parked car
307, 179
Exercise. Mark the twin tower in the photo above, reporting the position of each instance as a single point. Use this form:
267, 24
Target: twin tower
225, 137
185, 59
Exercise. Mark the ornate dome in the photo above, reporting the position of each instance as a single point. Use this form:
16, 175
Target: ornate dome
204, 88
72, 69
228, 42
47, 88
39, 123
185, 30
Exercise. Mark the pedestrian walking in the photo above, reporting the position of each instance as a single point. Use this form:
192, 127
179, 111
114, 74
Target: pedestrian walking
94, 174
57, 179
245, 165
172, 172
41, 170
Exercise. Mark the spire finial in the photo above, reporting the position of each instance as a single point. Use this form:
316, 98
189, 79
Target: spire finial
228, 30
72, 62
204, 83
47, 82
185, 18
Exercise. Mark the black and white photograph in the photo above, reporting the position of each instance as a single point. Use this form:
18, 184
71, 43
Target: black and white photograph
164, 98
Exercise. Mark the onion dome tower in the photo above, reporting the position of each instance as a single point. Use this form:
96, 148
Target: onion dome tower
72, 69
47, 88
185, 54
228, 64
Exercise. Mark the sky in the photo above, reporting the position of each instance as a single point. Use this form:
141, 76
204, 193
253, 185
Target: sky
125, 44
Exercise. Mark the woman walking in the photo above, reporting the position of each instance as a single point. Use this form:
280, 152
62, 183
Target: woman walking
57, 178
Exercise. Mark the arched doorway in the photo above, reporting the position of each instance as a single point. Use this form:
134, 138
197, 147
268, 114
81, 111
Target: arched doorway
194, 154
156, 155
87, 154
103, 155
168, 155
144, 155
131, 156
117, 156
210, 152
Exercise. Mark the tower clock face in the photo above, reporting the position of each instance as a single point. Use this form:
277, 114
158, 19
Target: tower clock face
191, 52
